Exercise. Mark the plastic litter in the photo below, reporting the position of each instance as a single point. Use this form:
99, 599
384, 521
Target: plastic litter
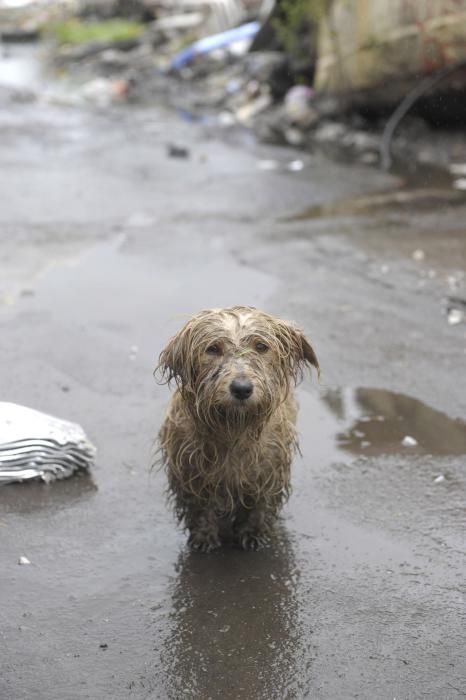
175, 151
34, 445
295, 166
438, 479
297, 106
455, 316
409, 441
211, 43
460, 183
456, 310
23, 561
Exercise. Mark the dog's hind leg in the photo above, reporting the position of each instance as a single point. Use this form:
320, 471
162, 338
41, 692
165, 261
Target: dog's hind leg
203, 526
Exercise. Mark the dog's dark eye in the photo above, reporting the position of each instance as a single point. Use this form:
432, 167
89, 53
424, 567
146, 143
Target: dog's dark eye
214, 349
261, 347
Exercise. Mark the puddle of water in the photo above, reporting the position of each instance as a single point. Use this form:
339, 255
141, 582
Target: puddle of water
427, 198
377, 422
374, 422
36, 496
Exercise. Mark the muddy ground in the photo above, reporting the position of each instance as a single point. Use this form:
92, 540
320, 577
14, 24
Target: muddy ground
107, 245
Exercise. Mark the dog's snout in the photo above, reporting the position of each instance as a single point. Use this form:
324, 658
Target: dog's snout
241, 388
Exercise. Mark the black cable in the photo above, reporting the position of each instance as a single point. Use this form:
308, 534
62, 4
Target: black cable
404, 107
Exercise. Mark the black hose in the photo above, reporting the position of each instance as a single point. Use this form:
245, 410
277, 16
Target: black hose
404, 107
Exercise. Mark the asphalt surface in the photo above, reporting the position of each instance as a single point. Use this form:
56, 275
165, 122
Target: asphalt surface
107, 245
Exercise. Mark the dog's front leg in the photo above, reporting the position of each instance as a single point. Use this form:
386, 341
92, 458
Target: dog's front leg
203, 526
252, 527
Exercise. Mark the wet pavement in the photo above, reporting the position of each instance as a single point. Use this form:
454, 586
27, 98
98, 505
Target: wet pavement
107, 245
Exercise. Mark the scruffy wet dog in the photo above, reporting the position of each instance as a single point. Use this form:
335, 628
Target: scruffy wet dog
229, 435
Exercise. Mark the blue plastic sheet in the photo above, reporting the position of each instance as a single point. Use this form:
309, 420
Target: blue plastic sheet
212, 43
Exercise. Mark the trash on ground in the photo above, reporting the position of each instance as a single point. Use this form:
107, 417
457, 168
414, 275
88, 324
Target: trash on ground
226, 118
409, 441
103, 91
185, 20
23, 561
34, 445
418, 255
438, 479
175, 151
456, 310
295, 165
209, 44
455, 316
298, 106
251, 109
460, 183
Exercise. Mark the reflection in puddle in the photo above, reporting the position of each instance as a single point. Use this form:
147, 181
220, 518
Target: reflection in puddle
234, 630
35, 495
378, 421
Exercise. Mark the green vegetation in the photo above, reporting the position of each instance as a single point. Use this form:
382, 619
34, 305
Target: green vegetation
76, 32
294, 15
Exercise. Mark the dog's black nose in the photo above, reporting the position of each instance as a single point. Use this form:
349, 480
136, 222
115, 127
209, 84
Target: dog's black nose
241, 388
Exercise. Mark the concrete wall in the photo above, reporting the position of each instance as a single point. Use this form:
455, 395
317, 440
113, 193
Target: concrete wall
366, 44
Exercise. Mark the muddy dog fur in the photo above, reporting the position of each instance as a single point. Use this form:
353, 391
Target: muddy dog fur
229, 435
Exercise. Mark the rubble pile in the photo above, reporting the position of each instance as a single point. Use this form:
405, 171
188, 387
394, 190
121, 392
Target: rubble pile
220, 61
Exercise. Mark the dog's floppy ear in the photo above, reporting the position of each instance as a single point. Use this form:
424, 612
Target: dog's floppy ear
306, 353
174, 362
297, 350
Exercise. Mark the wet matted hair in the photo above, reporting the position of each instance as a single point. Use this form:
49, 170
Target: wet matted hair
229, 435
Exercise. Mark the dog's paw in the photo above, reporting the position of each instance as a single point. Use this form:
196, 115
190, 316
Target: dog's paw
203, 543
252, 541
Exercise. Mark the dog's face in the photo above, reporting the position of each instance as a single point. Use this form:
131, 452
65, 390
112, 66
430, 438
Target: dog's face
235, 366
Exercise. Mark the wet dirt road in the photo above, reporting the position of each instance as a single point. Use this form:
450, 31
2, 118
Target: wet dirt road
107, 246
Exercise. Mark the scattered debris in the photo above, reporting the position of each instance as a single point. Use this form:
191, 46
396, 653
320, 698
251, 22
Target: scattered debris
242, 72
298, 107
295, 165
455, 316
103, 645
418, 255
23, 561
329, 132
438, 479
409, 441
406, 104
244, 34
460, 183
103, 91
175, 151
456, 310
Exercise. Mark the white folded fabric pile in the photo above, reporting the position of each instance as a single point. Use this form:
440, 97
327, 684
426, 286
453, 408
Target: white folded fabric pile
34, 445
